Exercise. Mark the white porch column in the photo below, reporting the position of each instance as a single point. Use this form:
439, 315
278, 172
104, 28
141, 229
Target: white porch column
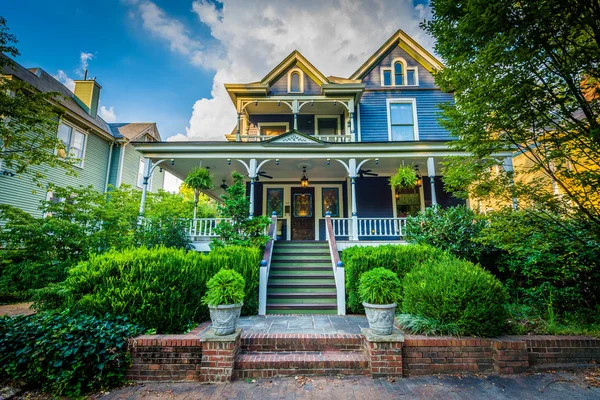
507, 164
431, 174
352, 168
237, 132
351, 106
147, 173
295, 112
252, 175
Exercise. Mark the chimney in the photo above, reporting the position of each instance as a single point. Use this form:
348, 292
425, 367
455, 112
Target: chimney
88, 94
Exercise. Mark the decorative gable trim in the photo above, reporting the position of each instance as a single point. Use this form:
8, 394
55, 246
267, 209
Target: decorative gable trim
405, 42
300, 61
294, 137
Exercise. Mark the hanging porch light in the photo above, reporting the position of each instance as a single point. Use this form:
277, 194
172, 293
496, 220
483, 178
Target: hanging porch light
304, 179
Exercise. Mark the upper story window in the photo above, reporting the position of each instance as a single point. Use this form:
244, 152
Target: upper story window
295, 81
73, 142
273, 128
402, 120
327, 125
399, 74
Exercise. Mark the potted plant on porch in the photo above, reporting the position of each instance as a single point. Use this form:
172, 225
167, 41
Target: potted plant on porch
405, 178
224, 298
379, 290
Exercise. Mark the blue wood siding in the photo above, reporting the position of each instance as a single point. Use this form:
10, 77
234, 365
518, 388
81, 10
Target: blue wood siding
280, 86
258, 197
374, 198
374, 119
373, 78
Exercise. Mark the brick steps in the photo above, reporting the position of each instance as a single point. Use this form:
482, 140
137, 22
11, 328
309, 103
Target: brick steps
264, 365
300, 342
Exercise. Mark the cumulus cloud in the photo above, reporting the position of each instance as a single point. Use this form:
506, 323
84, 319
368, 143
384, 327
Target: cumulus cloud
63, 78
84, 59
108, 114
248, 38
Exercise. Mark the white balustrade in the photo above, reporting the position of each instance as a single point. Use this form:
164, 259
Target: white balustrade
325, 138
205, 227
370, 227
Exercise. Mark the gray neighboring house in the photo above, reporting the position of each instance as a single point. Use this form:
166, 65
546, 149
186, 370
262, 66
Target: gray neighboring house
107, 157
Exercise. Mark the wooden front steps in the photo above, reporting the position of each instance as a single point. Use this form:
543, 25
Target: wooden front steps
301, 279
268, 355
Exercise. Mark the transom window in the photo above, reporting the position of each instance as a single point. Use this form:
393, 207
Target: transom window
402, 124
399, 74
73, 142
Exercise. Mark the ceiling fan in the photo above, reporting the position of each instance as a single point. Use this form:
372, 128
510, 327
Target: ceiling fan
263, 175
366, 172
224, 185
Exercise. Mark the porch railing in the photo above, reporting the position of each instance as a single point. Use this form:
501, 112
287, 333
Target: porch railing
325, 138
205, 227
369, 227
265, 266
338, 268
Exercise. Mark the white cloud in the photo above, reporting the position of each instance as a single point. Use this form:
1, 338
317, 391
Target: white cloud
108, 114
251, 37
84, 59
63, 78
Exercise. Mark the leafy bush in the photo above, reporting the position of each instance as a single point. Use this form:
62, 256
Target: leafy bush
452, 229
404, 178
159, 288
546, 256
379, 286
226, 287
65, 354
398, 258
241, 230
457, 294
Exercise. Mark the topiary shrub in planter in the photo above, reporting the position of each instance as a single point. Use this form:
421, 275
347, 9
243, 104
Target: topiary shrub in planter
65, 354
453, 297
398, 258
224, 298
380, 290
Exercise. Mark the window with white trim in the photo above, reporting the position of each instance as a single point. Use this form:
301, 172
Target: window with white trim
295, 81
399, 74
402, 120
140, 175
273, 128
327, 125
73, 142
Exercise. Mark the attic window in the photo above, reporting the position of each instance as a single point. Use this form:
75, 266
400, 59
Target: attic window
399, 74
295, 81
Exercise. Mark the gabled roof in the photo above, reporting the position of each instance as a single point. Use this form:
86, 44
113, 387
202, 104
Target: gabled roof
134, 130
295, 58
44, 82
407, 44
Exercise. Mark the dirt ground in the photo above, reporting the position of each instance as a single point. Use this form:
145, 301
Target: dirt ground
16, 309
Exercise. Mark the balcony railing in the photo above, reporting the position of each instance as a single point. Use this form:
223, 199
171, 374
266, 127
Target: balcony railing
324, 138
204, 227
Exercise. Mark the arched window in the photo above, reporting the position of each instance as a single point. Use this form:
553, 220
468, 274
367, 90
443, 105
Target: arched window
295, 82
398, 74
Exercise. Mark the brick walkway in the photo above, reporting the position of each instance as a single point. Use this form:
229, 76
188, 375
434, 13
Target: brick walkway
563, 385
308, 324
16, 309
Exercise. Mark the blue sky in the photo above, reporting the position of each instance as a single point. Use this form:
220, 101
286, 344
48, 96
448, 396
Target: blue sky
165, 61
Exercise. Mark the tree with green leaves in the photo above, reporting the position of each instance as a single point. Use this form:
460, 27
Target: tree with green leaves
525, 76
198, 180
28, 119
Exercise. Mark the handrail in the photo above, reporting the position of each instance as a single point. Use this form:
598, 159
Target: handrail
338, 267
265, 266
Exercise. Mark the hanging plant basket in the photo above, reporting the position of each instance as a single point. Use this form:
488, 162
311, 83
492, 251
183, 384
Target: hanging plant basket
404, 178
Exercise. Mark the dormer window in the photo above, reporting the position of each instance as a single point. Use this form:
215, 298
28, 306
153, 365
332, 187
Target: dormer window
295, 81
399, 74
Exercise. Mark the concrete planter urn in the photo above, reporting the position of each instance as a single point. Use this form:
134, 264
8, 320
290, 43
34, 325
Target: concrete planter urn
225, 318
380, 317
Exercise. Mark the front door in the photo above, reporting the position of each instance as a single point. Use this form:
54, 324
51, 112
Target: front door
303, 218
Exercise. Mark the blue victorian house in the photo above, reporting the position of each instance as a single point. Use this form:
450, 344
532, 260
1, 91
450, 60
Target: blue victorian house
311, 144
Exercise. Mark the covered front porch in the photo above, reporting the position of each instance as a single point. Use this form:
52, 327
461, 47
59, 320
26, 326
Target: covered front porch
301, 178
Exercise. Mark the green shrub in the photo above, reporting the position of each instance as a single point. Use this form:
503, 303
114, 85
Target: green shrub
464, 297
379, 286
65, 354
226, 287
452, 229
159, 288
398, 258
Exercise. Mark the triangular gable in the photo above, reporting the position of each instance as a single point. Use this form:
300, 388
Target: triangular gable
294, 137
405, 42
301, 62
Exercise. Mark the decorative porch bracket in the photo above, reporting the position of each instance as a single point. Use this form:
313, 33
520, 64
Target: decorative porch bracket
149, 170
265, 266
338, 267
253, 169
